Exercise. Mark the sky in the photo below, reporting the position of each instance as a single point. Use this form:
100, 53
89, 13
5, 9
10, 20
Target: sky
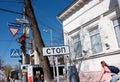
45, 12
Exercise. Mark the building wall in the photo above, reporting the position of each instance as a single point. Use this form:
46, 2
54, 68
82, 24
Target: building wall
94, 64
89, 11
95, 13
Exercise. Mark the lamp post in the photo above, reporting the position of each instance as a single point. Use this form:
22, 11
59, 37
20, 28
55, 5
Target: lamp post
119, 3
51, 44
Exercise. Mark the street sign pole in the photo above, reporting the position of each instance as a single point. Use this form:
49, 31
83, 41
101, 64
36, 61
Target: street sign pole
55, 51
57, 69
24, 21
24, 76
119, 3
52, 56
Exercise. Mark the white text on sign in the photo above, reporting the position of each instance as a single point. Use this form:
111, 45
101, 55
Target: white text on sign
61, 50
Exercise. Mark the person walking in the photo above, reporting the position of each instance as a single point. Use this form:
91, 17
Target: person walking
37, 78
107, 74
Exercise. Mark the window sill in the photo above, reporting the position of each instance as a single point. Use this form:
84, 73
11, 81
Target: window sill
98, 55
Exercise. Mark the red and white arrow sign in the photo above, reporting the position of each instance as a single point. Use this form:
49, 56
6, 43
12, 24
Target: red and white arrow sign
13, 31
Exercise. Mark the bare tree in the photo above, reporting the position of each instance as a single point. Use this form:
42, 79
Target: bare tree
1, 62
29, 12
7, 69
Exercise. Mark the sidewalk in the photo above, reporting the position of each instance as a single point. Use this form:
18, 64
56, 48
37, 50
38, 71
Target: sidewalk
61, 79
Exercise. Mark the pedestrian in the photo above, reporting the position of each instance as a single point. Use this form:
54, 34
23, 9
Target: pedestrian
37, 78
8, 78
107, 75
42, 77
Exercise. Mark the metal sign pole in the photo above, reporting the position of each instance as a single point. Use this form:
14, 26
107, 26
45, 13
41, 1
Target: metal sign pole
119, 3
60, 50
24, 77
57, 68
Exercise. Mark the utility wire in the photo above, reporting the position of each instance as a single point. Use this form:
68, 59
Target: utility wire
7, 40
46, 18
45, 25
43, 15
51, 21
11, 2
10, 11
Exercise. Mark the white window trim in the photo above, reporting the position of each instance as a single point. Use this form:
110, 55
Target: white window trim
89, 29
72, 36
118, 44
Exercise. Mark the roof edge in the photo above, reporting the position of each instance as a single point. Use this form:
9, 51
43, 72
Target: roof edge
75, 4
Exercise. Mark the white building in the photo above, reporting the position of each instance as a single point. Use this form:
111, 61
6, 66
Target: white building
92, 30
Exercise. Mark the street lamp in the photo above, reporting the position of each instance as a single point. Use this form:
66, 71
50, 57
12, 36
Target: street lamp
51, 40
51, 44
119, 3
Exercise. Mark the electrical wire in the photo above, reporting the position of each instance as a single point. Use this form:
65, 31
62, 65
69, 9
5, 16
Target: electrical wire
52, 22
46, 18
3, 1
7, 40
45, 25
10, 11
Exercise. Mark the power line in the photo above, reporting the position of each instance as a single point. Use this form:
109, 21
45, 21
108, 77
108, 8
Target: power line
49, 27
7, 40
6, 10
46, 18
8, 1
11, 2
43, 15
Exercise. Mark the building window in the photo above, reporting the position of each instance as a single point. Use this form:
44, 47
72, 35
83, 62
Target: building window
95, 40
77, 46
116, 24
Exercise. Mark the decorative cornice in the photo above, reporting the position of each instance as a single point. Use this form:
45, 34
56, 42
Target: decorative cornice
115, 8
70, 9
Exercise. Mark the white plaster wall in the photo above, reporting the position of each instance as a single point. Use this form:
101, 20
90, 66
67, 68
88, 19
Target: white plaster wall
94, 64
107, 33
85, 14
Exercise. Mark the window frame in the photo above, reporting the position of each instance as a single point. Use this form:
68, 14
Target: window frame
116, 26
77, 36
95, 34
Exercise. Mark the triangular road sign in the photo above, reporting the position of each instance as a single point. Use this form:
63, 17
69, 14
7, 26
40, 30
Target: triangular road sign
13, 31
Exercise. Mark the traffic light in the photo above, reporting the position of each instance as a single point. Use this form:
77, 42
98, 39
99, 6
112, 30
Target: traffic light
23, 43
20, 59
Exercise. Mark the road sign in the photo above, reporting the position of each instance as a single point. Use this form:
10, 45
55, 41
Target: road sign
22, 20
60, 50
14, 31
14, 27
14, 53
